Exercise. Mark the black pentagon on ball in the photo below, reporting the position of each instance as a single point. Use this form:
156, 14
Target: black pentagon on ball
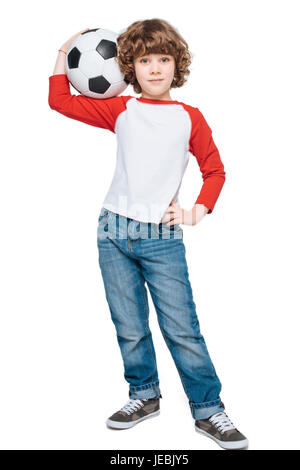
90, 31
99, 84
107, 49
73, 58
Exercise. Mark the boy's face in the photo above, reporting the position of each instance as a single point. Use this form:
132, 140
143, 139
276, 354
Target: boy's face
155, 73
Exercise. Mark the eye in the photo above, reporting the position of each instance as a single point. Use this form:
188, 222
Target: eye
165, 58
143, 59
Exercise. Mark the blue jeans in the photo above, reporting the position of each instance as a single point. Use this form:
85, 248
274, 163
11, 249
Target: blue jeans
130, 254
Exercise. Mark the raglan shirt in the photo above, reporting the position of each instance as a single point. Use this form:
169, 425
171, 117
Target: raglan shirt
155, 138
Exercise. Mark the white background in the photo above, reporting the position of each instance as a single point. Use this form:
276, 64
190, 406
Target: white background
61, 368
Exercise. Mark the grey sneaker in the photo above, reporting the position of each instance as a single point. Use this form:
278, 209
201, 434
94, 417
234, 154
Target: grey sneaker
134, 412
219, 428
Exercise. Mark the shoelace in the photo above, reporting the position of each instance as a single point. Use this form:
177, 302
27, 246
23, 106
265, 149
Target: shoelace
222, 422
133, 405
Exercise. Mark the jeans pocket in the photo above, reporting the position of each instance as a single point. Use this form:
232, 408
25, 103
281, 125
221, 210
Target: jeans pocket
102, 230
103, 214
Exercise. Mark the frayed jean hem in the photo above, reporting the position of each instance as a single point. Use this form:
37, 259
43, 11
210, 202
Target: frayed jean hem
206, 410
150, 390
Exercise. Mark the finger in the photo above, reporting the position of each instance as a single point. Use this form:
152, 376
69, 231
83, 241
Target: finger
169, 216
173, 217
175, 221
80, 32
171, 209
165, 219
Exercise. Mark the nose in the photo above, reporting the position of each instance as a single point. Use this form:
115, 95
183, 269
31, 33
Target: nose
155, 74
155, 68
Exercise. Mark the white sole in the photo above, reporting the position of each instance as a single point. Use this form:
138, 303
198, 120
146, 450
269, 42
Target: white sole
121, 425
225, 445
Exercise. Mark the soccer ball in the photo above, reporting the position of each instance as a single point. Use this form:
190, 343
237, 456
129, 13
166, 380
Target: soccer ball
91, 67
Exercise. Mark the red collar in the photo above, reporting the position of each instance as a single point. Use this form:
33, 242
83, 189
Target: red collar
150, 100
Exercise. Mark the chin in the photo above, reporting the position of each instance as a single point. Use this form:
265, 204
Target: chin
157, 90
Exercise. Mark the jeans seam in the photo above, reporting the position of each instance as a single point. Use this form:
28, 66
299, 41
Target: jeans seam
165, 338
147, 326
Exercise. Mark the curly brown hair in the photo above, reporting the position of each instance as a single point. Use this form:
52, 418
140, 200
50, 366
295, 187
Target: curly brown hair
155, 36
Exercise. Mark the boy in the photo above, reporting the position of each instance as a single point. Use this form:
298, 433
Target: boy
139, 237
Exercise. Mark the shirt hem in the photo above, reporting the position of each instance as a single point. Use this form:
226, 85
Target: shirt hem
127, 214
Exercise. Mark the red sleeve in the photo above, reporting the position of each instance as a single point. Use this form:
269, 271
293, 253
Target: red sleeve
202, 146
98, 113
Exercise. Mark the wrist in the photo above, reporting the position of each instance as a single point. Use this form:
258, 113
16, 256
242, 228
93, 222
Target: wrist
60, 63
198, 212
203, 207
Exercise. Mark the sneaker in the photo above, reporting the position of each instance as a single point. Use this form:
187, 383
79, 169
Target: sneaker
219, 428
134, 412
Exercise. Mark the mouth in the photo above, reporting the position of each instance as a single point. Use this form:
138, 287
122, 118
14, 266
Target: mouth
156, 80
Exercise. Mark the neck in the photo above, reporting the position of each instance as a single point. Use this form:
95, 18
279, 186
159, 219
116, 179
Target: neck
163, 97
